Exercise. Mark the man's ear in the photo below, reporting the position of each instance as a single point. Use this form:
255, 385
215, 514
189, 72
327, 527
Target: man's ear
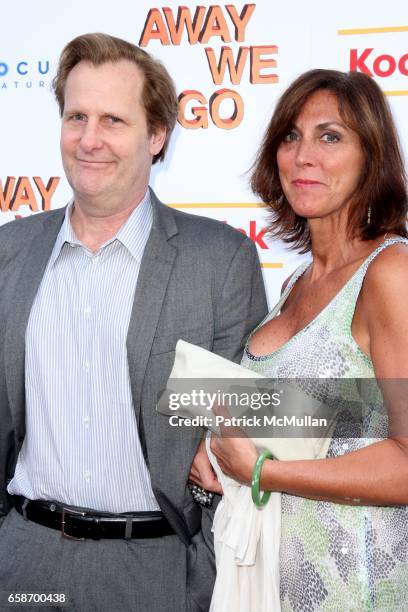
157, 140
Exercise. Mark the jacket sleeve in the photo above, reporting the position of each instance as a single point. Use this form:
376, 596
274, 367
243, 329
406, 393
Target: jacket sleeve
241, 304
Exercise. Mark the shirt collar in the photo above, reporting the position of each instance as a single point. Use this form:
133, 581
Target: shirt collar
133, 234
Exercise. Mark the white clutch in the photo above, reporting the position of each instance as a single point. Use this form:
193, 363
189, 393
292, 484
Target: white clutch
197, 370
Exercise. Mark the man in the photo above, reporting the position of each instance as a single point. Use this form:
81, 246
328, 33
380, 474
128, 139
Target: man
93, 299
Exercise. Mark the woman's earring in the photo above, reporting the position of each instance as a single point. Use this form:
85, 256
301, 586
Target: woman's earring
369, 215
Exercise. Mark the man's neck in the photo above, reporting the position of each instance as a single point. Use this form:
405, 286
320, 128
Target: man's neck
93, 230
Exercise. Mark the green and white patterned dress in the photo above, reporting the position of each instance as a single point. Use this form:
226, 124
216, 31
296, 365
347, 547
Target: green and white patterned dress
333, 557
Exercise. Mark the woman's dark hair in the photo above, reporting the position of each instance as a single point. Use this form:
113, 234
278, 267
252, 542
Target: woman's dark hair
382, 185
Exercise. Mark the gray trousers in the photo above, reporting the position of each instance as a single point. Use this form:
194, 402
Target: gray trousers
146, 575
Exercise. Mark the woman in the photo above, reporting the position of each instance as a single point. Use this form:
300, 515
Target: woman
331, 170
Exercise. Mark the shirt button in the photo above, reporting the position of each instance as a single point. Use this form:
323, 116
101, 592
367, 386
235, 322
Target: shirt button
87, 420
345, 446
87, 364
95, 259
87, 310
87, 476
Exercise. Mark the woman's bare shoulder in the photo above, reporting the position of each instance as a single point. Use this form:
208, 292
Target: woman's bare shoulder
385, 289
388, 271
385, 299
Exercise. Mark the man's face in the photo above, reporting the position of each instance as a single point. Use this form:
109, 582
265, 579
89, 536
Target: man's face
105, 142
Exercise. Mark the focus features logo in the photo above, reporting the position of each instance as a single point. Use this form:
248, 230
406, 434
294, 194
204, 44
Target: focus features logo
24, 74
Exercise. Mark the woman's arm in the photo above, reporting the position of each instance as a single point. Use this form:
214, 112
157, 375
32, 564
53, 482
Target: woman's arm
376, 474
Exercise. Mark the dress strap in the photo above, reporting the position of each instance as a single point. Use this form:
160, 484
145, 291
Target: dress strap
292, 280
295, 276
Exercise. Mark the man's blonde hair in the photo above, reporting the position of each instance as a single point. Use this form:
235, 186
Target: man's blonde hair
158, 98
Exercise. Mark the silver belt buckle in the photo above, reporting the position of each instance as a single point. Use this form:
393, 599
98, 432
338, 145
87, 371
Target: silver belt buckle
68, 511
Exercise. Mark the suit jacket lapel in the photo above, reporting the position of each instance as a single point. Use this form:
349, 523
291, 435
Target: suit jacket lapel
37, 256
167, 471
154, 274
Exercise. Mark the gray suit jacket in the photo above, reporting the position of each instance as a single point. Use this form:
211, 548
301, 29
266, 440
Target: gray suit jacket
199, 280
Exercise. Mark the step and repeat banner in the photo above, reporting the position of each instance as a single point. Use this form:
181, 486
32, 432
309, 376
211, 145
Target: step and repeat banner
230, 63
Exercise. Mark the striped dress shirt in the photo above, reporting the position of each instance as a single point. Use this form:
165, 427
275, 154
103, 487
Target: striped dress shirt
82, 446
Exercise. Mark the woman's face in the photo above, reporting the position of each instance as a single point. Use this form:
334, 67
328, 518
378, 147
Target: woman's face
320, 161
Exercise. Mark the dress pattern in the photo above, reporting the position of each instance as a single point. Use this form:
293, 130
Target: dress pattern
333, 557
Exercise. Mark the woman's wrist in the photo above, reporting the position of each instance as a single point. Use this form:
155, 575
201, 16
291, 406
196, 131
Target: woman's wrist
258, 499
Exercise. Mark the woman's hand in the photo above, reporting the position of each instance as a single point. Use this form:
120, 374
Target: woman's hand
235, 453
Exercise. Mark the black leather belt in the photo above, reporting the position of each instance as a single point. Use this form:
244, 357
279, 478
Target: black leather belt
81, 524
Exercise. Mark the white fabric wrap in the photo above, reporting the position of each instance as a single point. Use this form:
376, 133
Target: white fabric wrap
246, 538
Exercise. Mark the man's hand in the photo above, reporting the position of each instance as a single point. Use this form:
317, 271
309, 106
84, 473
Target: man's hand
201, 472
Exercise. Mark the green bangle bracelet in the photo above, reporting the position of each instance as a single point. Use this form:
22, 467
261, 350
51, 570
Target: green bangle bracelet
256, 475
